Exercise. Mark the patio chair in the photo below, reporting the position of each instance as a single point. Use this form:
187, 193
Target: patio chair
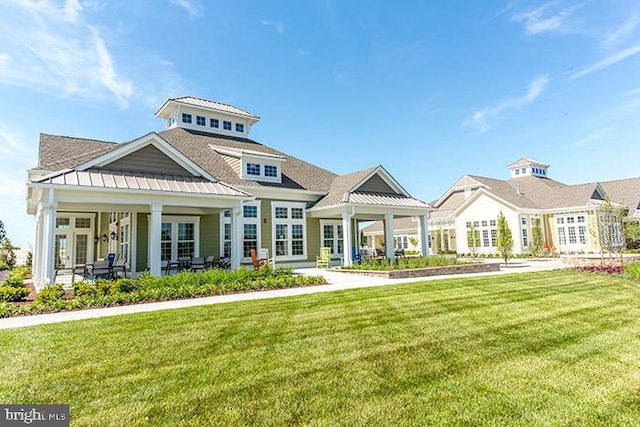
100, 270
224, 263
197, 264
257, 262
209, 262
120, 266
324, 259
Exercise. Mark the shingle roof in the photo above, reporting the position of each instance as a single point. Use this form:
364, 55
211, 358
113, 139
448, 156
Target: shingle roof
214, 105
340, 185
624, 191
296, 173
60, 152
122, 180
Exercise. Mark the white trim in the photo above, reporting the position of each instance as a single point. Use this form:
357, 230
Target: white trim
386, 177
250, 220
335, 223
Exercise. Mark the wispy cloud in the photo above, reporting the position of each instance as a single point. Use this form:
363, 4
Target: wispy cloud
544, 20
480, 119
595, 135
607, 62
193, 7
302, 52
622, 32
54, 48
276, 25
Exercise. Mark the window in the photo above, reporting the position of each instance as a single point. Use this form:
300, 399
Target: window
250, 227
226, 125
179, 237
525, 236
253, 169
289, 230
214, 123
517, 171
569, 233
201, 121
83, 222
271, 171
186, 118
401, 242
250, 211
239, 127
63, 223
332, 237
486, 232
524, 170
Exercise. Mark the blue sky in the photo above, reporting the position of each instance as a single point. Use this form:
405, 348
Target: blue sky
430, 90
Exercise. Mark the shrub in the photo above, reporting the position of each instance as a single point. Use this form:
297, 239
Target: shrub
11, 294
633, 270
124, 286
50, 294
608, 269
81, 289
16, 277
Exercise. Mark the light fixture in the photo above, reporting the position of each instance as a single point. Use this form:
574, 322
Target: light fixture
113, 235
105, 238
96, 240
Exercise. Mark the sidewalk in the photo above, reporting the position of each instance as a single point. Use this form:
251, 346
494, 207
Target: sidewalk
336, 281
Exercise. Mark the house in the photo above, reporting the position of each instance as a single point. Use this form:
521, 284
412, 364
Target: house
201, 187
567, 215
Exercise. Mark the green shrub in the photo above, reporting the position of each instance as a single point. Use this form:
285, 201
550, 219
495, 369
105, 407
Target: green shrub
4, 266
81, 289
633, 270
16, 277
12, 294
124, 286
50, 294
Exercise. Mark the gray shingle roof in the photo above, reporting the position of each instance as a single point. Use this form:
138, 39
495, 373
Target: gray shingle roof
340, 185
624, 191
60, 152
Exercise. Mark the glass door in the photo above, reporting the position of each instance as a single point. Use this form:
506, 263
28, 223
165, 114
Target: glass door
61, 251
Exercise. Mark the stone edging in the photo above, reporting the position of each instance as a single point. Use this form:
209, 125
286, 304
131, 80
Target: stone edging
425, 272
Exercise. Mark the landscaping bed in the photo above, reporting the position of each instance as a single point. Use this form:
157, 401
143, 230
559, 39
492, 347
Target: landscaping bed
146, 288
418, 267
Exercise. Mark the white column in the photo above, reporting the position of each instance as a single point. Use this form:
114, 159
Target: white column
155, 239
237, 237
347, 239
388, 235
49, 239
36, 268
424, 235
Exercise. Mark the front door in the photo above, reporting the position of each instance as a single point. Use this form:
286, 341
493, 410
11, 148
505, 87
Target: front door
62, 259
72, 248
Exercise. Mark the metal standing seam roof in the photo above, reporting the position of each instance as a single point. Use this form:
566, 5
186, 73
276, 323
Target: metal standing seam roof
524, 161
214, 105
122, 180
384, 199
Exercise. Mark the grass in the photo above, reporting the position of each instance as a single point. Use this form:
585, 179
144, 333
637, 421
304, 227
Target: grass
552, 348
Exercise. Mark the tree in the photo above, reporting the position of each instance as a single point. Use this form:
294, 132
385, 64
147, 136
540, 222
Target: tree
632, 233
3, 233
414, 241
439, 241
363, 239
7, 256
537, 241
504, 239
473, 239
610, 228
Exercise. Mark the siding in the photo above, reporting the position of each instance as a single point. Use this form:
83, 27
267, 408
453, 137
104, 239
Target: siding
148, 159
313, 238
375, 184
234, 163
210, 235
142, 237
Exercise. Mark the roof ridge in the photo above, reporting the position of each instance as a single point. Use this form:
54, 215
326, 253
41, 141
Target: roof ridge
77, 137
215, 102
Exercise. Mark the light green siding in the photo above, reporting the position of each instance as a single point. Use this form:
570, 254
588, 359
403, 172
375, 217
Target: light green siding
313, 238
210, 235
142, 237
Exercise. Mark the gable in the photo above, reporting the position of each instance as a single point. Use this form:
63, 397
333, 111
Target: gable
466, 181
376, 184
453, 200
148, 159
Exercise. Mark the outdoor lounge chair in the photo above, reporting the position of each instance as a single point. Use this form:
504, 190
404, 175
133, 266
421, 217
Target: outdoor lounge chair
197, 264
258, 262
324, 259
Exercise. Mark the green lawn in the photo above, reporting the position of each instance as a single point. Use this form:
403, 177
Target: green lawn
553, 348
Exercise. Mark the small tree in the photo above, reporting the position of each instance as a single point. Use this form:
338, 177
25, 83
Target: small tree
632, 233
473, 240
7, 256
610, 228
537, 240
438, 241
3, 233
363, 239
414, 241
504, 239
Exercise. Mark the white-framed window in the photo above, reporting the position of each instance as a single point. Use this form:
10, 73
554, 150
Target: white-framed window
225, 234
214, 123
250, 228
271, 171
332, 236
201, 121
486, 229
226, 125
253, 169
186, 118
179, 237
239, 127
289, 230
572, 229
401, 241
524, 231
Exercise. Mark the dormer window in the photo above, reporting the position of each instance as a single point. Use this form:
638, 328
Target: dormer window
214, 123
239, 127
201, 121
226, 125
270, 171
186, 118
253, 169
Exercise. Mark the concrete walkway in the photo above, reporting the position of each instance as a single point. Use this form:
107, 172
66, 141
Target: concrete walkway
336, 281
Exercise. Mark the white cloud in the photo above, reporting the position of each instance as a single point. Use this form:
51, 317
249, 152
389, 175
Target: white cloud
276, 25
622, 32
302, 52
4, 59
54, 48
607, 62
193, 8
479, 119
540, 20
595, 135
